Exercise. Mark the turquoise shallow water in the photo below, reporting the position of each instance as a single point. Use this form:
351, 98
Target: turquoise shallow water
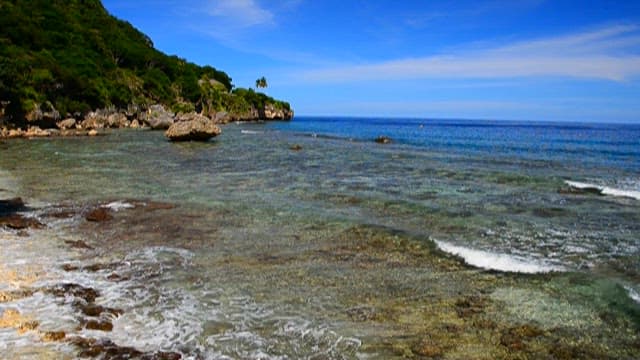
341, 249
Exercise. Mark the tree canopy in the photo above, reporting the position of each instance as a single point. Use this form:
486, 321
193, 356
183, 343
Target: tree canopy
75, 55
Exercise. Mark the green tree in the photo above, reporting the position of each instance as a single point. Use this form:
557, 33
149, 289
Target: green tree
261, 83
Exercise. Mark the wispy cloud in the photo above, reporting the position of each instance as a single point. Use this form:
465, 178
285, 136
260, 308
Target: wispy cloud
240, 13
610, 53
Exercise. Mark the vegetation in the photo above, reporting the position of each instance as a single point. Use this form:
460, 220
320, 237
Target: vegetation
74, 55
261, 83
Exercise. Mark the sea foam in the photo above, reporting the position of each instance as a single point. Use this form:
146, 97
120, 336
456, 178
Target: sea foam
496, 261
605, 190
633, 294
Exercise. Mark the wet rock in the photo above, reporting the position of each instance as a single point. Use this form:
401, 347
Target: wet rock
104, 349
99, 215
69, 267
196, 128
100, 266
95, 310
51, 336
93, 132
101, 325
63, 290
162, 356
7, 296
383, 140
11, 205
117, 278
28, 326
296, 147
79, 244
20, 222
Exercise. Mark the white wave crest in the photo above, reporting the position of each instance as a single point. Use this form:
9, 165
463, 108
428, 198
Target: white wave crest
605, 190
633, 294
252, 132
118, 205
496, 261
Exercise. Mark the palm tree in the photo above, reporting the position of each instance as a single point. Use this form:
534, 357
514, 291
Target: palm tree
261, 83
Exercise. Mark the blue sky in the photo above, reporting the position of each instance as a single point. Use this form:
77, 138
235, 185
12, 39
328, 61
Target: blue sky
516, 60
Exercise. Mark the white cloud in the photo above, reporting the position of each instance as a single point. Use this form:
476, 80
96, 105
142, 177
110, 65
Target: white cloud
611, 53
240, 13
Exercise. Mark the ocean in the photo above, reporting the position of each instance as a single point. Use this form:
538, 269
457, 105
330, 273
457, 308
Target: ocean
459, 239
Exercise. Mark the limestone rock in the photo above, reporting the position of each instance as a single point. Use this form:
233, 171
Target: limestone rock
158, 118
69, 123
197, 128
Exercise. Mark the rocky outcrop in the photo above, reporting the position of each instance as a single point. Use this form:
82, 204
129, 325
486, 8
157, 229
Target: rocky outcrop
193, 127
158, 118
43, 115
65, 124
271, 112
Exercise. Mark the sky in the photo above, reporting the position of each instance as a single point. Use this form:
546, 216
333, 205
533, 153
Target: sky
542, 60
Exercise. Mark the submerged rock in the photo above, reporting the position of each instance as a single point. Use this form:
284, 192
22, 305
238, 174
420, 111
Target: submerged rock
20, 222
196, 128
383, 140
99, 215
11, 205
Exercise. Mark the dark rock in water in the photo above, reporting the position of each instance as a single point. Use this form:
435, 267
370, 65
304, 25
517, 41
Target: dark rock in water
296, 147
100, 266
63, 290
383, 140
103, 349
117, 278
162, 355
69, 267
196, 128
95, 310
99, 215
79, 244
53, 336
101, 325
108, 350
11, 205
19, 222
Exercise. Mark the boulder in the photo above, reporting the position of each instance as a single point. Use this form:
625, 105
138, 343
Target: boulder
117, 120
94, 120
68, 123
196, 128
221, 117
35, 131
158, 118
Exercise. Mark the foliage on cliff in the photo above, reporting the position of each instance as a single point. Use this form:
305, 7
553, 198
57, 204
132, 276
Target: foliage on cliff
75, 55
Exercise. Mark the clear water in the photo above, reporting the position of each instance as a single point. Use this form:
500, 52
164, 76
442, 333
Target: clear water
340, 250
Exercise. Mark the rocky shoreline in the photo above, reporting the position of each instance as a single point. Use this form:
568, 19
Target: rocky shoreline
47, 122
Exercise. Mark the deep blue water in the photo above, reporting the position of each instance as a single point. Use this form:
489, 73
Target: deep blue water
602, 145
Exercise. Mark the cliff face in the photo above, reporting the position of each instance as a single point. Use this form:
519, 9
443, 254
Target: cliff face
62, 59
